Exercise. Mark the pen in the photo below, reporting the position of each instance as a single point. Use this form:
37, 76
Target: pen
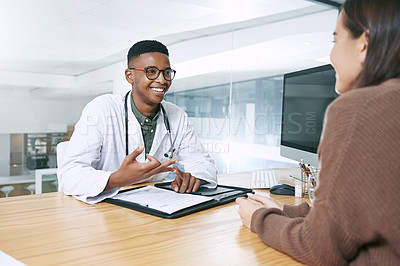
308, 169
297, 179
304, 168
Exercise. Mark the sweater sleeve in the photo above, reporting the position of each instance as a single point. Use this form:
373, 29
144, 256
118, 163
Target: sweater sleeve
296, 211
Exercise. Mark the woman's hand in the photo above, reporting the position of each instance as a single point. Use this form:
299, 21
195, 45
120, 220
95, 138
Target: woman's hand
247, 206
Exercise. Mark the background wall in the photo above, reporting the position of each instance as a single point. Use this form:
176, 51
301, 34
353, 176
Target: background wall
23, 113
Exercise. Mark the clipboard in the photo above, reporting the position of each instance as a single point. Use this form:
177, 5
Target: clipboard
219, 196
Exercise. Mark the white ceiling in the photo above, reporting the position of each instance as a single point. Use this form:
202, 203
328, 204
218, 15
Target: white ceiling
57, 47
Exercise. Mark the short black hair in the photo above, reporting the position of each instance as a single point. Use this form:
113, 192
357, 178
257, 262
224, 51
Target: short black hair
146, 46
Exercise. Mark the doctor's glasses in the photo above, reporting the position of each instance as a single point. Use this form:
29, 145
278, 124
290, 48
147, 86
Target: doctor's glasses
153, 72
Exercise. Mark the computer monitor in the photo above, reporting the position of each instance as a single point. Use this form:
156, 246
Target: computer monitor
306, 95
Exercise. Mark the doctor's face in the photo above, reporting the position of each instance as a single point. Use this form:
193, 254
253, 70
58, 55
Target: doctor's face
144, 90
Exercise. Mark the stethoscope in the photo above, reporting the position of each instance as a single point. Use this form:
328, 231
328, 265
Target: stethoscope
171, 151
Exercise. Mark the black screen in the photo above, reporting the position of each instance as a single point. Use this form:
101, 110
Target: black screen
306, 95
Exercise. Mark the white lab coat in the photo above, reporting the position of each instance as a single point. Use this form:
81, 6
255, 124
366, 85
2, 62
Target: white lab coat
97, 148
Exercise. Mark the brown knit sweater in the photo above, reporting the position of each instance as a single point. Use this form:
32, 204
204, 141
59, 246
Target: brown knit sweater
355, 218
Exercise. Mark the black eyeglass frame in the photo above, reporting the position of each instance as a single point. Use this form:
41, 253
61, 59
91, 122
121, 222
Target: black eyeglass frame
159, 71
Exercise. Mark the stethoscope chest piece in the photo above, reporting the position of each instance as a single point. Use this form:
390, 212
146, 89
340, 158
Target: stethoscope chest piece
170, 154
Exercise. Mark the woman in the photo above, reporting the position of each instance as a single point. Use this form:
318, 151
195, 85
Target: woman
355, 218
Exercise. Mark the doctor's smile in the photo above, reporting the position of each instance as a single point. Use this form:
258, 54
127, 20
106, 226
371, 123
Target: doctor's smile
158, 90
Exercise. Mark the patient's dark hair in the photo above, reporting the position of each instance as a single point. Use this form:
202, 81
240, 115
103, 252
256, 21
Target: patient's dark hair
146, 46
382, 20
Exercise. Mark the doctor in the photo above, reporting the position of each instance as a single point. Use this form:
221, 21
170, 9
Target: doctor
122, 140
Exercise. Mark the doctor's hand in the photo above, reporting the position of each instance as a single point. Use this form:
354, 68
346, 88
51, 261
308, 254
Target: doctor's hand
184, 182
247, 206
132, 171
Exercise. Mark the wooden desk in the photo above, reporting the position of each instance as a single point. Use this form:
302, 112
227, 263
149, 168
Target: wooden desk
54, 229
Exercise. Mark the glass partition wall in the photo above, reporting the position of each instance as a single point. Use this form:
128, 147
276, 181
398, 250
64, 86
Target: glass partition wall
230, 57
234, 97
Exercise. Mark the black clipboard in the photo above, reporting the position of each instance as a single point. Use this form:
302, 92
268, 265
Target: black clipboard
220, 195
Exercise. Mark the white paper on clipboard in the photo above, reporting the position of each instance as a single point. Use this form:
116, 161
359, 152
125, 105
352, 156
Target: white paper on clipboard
161, 199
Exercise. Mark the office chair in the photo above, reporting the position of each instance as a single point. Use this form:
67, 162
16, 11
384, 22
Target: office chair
61, 148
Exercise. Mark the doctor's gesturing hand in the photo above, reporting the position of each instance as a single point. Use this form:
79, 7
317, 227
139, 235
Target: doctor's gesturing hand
132, 171
185, 182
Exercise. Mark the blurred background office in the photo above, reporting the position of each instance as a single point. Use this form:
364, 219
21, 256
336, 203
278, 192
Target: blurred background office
230, 56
